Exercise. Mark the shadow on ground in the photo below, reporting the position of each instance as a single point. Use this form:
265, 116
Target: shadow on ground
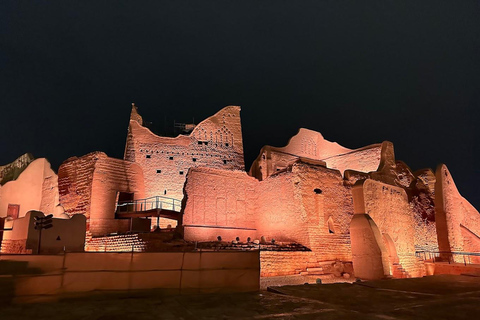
437, 297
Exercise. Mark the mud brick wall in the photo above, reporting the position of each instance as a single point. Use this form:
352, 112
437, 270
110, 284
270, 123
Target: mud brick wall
90, 185
215, 142
281, 263
458, 222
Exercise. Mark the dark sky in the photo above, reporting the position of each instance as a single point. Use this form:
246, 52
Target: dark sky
359, 72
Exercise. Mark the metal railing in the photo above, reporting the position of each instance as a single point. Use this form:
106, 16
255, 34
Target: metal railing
450, 256
152, 203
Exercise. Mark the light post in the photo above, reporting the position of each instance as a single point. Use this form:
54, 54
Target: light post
40, 224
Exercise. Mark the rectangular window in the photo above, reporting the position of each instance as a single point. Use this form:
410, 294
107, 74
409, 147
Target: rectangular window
148, 156
224, 161
159, 171
194, 159
170, 158
13, 211
181, 172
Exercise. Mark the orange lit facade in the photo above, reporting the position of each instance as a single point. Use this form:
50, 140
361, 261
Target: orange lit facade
350, 206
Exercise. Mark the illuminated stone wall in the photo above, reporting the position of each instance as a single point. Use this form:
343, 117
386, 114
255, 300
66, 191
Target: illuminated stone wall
307, 204
388, 206
75, 177
220, 203
215, 142
34, 189
278, 263
90, 185
458, 222
311, 145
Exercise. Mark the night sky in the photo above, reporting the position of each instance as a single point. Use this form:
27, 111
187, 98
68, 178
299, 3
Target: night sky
359, 72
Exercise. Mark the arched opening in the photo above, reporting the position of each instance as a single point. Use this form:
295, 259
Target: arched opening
331, 226
392, 252
369, 253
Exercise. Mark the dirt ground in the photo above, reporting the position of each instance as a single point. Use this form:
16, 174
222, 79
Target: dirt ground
436, 297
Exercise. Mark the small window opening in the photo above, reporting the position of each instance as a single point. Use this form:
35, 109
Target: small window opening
200, 142
224, 161
159, 171
331, 227
317, 191
164, 192
148, 156
170, 158
194, 159
181, 172
13, 210
205, 142
226, 144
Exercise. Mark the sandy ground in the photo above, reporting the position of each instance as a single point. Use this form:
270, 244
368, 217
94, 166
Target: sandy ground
438, 297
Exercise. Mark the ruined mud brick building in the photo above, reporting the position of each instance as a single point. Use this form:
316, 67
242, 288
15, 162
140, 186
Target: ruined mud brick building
215, 142
308, 203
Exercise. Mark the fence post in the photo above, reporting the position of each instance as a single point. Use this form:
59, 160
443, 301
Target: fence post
130, 271
63, 270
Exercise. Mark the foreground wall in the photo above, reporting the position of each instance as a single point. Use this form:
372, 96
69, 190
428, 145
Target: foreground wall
65, 234
179, 272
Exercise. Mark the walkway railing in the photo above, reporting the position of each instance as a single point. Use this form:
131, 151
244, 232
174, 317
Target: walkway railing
152, 203
450, 257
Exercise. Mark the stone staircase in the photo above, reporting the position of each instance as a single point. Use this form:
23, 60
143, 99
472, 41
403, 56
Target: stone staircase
115, 243
398, 272
414, 265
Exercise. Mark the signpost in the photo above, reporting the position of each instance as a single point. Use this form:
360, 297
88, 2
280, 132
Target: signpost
40, 224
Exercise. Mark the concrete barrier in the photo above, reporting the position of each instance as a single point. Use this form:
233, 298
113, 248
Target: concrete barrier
180, 272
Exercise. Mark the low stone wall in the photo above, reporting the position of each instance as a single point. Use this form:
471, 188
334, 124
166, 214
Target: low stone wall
451, 268
179, 272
